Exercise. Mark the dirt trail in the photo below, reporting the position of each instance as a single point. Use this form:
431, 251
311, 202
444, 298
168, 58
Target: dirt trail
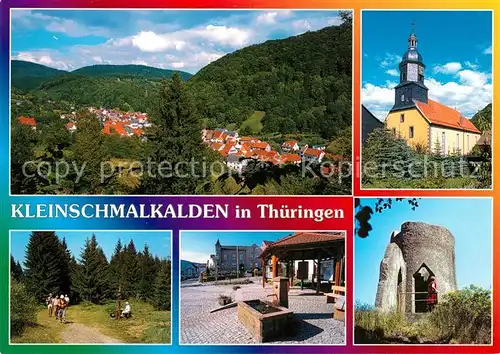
79, 333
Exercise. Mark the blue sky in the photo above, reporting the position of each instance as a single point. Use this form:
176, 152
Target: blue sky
468, 219
159, 243
456, 47
197, 246
178, 39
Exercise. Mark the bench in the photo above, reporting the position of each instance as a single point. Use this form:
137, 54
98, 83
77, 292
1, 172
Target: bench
337, 297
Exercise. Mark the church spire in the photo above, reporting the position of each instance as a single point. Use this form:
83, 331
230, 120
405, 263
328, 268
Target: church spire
412, 40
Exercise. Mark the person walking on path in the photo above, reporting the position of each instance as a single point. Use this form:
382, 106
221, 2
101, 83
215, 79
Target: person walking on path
48, 301
63, 305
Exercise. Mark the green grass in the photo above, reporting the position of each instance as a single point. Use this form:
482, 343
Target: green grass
254, 122
423, 183
146, 325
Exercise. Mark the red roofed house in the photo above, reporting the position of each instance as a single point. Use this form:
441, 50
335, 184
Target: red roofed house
290, 145
27, 121
291, 158
71, 127
260, 146
313, 155
424, 122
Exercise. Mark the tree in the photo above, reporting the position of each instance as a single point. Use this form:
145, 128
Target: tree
175, 142
90, 152
46, 267
91, 281
116, 269
23, 307
16, 271
148, 274
132, 271
162, 288
364, 212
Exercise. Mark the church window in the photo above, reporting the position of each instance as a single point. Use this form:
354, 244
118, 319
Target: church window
394, 131
411, 132
225, 257
404, 76
420, 77
234, 257
402, 98
241, 256
443, 143
458, 142
402, 118
468, 146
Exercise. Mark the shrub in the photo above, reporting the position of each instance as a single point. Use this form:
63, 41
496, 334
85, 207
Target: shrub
464, 316
23, 308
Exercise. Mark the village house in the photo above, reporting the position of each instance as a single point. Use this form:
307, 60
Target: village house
230, 258
423, 122
71, 127
290, 145
291, 158
313, 155
28, 121
237, 163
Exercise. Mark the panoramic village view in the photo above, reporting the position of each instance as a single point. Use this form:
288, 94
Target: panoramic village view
90, 287
262, 287
232, 102
427, 115
428, 283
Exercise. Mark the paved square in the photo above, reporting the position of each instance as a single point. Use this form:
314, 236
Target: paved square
199, 326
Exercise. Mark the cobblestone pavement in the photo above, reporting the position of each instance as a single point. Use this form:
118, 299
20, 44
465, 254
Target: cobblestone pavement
199, 326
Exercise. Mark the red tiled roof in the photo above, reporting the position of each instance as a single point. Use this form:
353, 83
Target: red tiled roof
313, 152
27, 121
290, 143
307, 238
440, 114
217, 146
290, 158
259, 145
70, 125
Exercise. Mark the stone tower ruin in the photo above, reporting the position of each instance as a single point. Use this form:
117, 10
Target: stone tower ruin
418, 251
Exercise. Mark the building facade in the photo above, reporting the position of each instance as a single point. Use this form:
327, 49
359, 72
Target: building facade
229, 258
423, 122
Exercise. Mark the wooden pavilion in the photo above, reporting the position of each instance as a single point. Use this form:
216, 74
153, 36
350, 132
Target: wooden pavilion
302, 246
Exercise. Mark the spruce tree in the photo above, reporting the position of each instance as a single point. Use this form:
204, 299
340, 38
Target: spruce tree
90, 151
16, 270
45, 265
132, 272
175, 142
91, 281
162, 288
148, 273
116, 269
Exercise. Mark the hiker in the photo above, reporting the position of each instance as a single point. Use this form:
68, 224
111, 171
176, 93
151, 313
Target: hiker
55, 305
48, 302
127, 312
432, 294
63, 305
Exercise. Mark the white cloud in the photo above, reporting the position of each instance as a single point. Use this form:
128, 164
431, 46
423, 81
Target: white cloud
471, 65
334, 21
178, 64
301, 25
392, 72
42, 58
472, 92
390, 60
139, 62
488, 50
197, 257
152, 42
235, 37
273, 17
97, 59
448, 68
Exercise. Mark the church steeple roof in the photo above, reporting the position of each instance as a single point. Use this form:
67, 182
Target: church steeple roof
412, 53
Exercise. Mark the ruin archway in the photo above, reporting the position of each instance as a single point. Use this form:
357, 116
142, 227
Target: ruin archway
420, 278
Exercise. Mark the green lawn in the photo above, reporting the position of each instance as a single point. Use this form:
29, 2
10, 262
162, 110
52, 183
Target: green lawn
146, 325
254, 122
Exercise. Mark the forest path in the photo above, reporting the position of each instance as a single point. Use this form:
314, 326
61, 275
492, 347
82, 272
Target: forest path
79, 333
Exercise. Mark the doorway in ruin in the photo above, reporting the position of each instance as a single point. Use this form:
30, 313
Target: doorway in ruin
420, 279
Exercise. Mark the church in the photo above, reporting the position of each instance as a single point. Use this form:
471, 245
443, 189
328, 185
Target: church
423, 122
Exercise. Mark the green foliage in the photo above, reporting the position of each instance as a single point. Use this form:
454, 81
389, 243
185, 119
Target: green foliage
16, 271
91, 280
163, 286
303, 83
130, 70
253, 124
175, 139
482, 119
26, 75
23, 307
46, 266
464, 316
342, 144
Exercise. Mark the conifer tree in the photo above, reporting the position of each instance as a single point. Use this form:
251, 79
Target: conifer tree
91, 281
45, 265
148, 273
16, 270
162, 288
131, 270
116, 269
175, 141
90, 151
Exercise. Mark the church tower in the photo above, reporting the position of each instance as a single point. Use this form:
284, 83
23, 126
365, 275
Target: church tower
411, 85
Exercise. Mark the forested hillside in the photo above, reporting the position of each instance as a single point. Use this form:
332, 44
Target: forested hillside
302, 83
482, 119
